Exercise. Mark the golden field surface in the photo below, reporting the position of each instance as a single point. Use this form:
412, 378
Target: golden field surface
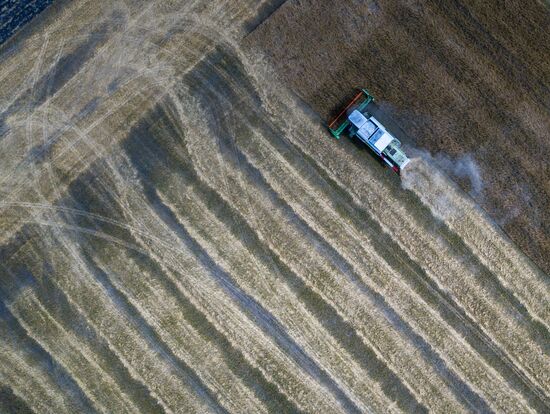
179, 233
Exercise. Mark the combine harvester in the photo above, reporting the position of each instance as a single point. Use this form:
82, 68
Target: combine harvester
355, 120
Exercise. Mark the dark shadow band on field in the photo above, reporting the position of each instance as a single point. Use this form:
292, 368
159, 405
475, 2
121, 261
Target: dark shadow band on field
43, 360
254, 310
85, 191
10, 403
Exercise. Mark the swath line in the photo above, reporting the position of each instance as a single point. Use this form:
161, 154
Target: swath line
261, 317
149, 334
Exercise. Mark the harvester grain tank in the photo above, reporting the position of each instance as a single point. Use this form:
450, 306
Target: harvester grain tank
355, 120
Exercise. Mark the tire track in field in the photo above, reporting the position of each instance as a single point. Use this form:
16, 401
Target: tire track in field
195, 22
84, 133
249, 306
100, 61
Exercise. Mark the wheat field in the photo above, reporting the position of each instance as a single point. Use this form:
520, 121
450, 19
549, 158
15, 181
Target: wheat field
180, 234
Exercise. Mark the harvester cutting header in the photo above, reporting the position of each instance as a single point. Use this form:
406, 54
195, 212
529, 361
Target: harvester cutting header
355, 120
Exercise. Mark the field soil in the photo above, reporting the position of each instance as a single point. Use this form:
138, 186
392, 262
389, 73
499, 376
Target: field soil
178, 234
466, 81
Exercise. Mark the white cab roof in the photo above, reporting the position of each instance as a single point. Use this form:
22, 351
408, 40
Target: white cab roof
357, 118
383, 141
367, 130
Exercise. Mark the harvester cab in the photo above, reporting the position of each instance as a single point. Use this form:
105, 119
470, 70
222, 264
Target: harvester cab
355, 120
